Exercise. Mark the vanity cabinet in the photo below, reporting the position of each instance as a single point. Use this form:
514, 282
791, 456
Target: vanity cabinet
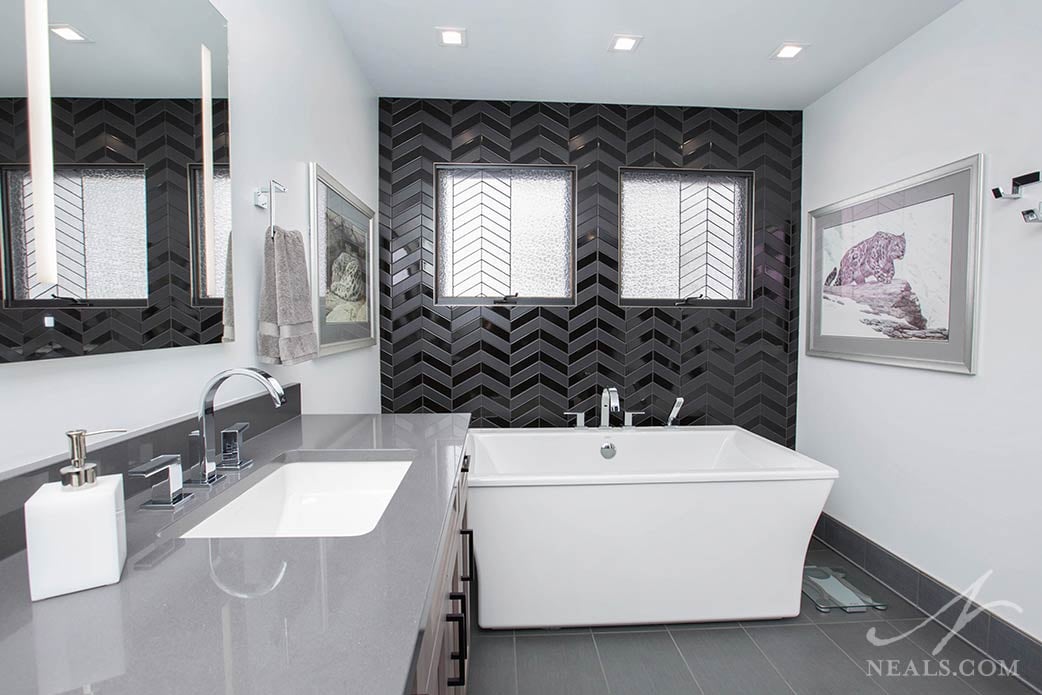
443, 657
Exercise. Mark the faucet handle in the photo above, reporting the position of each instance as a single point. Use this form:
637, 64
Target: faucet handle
627, 417
201, 473
230, 456
168, 493
580, 418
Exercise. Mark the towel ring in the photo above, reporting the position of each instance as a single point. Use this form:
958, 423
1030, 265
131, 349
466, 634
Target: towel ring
262, 198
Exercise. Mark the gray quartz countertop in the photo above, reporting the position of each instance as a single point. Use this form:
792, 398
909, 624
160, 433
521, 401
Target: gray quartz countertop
252, 615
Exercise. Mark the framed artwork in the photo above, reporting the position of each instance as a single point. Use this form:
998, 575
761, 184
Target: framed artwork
894, 272
343, 268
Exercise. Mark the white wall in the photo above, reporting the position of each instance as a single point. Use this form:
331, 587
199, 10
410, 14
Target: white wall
297, 95
944, 470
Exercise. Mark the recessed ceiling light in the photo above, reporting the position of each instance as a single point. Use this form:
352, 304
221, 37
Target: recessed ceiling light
69, 33
789, 50
452, 36
625, 42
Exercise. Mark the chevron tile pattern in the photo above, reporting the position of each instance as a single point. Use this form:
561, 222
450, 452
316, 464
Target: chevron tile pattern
711, 250
479, 237
524, 366
161, 135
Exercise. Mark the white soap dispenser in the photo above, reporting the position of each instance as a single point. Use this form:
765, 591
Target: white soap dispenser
76, 530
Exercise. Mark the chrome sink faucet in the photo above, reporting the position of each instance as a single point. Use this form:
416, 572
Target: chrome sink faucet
609, 404
203, 442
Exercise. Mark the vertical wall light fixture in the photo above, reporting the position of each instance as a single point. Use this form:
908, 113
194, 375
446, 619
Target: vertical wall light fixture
38, 73
209, 214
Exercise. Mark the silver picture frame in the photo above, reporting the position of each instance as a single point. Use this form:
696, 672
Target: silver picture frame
341, 327
957, 353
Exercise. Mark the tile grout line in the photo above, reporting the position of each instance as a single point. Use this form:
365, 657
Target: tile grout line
852, 660
760, 649
600, 662
684, 659
517, 678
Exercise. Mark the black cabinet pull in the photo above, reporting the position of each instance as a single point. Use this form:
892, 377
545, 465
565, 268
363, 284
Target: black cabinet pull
464, 641
466, 463
468, 548
460, 680
460, 655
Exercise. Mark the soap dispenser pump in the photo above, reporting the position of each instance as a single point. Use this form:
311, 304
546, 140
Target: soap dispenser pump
83, 502
79, 473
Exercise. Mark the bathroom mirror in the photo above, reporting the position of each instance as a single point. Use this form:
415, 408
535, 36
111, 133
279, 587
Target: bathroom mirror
116, 223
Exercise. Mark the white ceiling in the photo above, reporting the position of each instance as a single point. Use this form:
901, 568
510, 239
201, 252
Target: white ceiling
694, 52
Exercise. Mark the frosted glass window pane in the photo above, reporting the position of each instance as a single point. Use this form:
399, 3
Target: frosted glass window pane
222, 189
101, 234
505, 230
684, 235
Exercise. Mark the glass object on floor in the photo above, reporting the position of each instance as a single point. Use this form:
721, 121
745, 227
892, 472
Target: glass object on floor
828, 588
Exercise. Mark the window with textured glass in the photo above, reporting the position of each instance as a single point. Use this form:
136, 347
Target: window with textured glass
505, 234
685, 237
100, 234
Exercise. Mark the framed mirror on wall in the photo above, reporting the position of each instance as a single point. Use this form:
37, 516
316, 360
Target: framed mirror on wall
115, 176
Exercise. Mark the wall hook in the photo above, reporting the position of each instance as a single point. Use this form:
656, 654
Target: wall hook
1017, 183
262, 199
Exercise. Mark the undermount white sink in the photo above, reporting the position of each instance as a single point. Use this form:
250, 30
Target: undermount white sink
312, 494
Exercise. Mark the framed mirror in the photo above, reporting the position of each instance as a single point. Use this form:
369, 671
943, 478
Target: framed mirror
343, 269
115, 177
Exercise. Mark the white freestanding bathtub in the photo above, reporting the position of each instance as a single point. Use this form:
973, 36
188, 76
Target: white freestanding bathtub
684, 524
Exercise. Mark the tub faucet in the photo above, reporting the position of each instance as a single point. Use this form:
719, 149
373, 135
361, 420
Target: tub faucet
204, 453
676, 411
609, 404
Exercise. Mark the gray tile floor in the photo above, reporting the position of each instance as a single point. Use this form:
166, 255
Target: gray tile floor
812, 654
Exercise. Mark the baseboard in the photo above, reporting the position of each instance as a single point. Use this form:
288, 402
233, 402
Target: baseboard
987, 631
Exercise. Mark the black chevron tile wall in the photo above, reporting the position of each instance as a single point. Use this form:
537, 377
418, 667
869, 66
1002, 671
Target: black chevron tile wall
524, 366
163, 135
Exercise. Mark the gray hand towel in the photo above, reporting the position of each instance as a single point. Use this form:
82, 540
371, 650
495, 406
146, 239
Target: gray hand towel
229, 297
286, 331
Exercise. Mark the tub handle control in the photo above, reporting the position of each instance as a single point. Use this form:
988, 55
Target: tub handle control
627, 418
580, 418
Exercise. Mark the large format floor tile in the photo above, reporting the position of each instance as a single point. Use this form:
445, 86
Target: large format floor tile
811, 663
901, 668
493, 666
559, 665
644, 663
728, 662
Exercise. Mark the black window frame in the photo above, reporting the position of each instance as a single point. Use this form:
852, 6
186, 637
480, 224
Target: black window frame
749, 234
508, 300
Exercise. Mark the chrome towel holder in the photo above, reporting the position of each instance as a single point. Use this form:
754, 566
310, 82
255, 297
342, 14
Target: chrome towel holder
262, 198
